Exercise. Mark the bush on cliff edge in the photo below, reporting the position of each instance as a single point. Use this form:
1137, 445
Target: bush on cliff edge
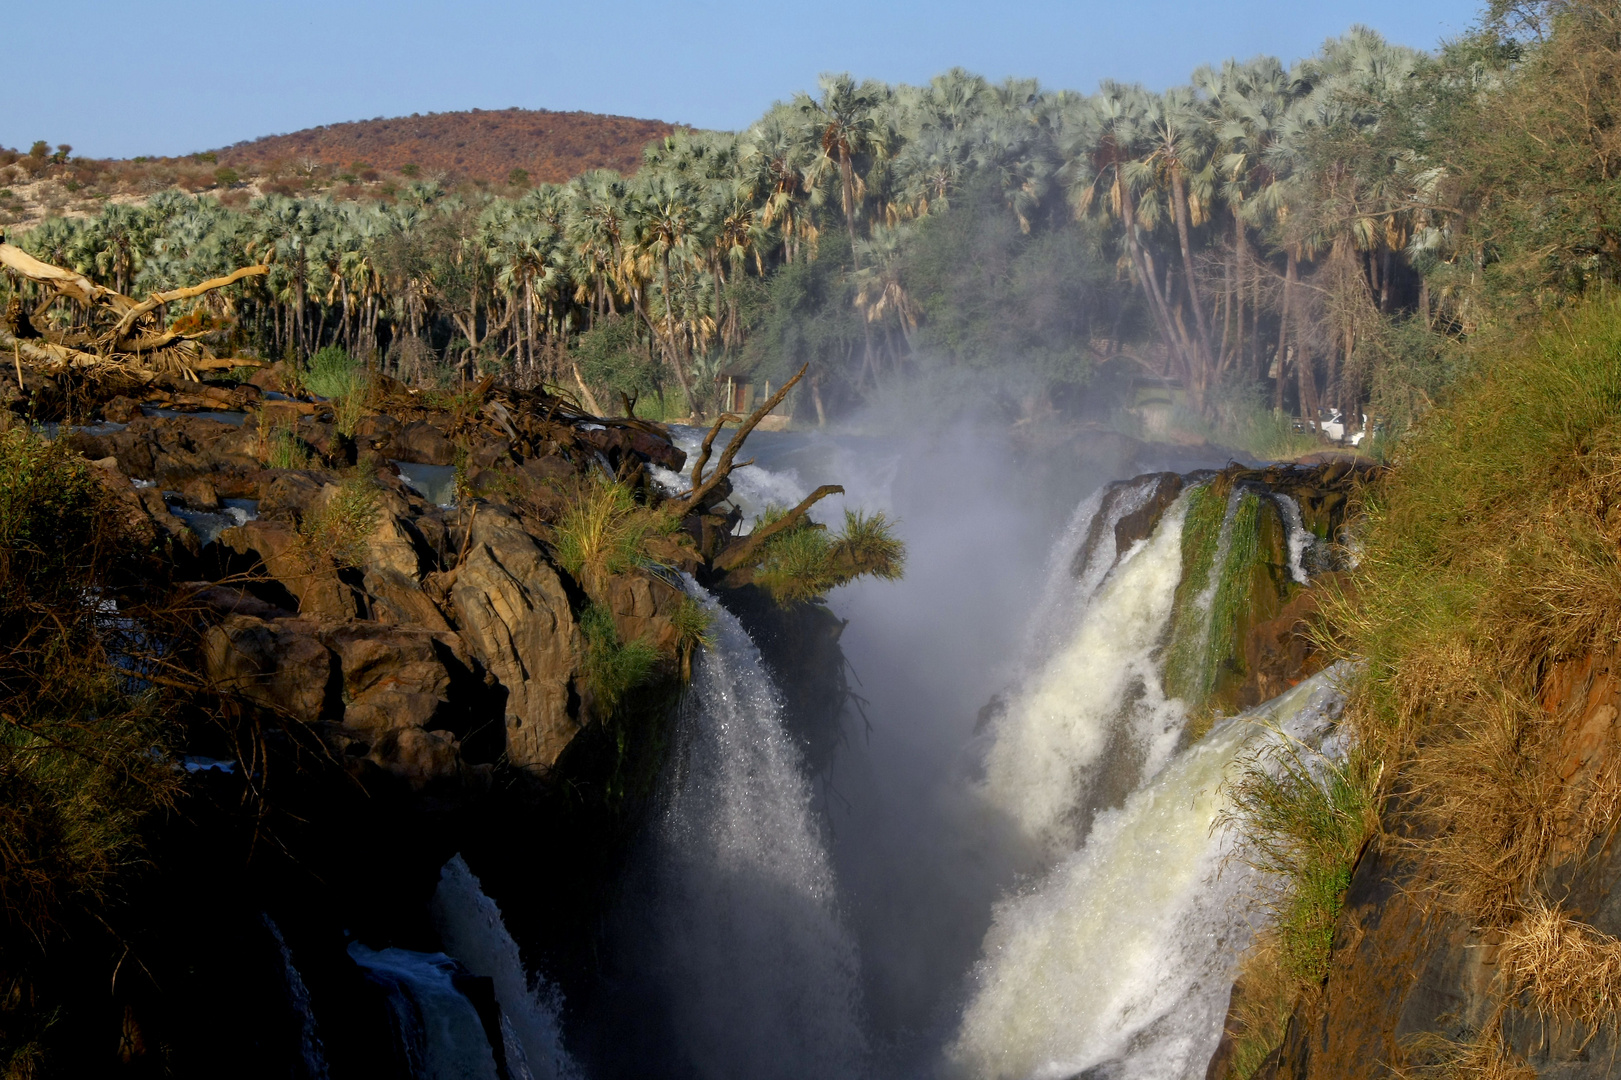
83, 740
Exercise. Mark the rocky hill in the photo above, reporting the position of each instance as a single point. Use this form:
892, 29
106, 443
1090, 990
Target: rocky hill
550, 147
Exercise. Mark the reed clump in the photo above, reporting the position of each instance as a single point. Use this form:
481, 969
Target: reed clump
1494, 551
340, 527
1491, 553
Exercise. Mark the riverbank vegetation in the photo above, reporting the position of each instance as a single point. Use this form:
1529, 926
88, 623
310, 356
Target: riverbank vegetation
1265, 242
1486, 568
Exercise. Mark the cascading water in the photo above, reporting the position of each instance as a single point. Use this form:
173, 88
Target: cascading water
438, 1029
311, 1052
1121, 960
1100, 689
1300, 538
757, 971
1117, 959
471, 928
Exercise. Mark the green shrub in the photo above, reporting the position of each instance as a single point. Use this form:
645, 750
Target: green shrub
340, 528
51, 521
334, 375
612, 668
285, 450
83, 741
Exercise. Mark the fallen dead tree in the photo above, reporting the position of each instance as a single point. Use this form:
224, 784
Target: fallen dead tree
109, 328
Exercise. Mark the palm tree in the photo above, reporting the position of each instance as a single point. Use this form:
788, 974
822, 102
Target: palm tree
842, 124
1178, 161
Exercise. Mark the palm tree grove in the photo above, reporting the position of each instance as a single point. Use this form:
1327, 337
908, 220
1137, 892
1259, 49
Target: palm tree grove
955, 581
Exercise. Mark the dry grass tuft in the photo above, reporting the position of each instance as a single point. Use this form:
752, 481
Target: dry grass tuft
1430, 1057
603, 532
1570, 970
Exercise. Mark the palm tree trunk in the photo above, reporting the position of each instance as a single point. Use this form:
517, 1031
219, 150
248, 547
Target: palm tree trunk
1184, 226
1283, 329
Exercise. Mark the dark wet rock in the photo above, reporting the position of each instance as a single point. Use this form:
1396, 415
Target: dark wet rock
1140, 523
199, 493
422, 444
392, 676
283, 555
487, 455
287, 495
376, 430
121, 410
278, 664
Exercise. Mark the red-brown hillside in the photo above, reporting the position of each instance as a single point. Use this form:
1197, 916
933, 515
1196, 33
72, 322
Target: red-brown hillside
550, 146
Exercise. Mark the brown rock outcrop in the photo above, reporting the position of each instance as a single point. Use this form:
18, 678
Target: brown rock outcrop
516, 618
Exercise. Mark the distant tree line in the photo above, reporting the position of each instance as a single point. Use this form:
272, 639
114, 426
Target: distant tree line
1293, 237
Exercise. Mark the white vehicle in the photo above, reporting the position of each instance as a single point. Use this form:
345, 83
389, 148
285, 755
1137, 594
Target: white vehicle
1333, 426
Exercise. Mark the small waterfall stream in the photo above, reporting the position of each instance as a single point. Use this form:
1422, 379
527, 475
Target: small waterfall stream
436, 1026
472, 931
1097, 691
311, 1053
758, 971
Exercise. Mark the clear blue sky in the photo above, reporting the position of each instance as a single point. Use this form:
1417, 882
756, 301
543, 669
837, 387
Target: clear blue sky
120, 79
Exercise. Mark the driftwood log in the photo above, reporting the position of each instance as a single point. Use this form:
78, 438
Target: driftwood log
114, 328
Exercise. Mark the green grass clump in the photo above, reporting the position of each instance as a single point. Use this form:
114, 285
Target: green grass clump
803, 563
602, 532
50, 507
341, 379
692, 622
1186, 658
1302, 820
285, 450
340, 528
612, 668
333, 373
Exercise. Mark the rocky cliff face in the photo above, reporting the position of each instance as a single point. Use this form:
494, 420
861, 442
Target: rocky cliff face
399, 650
387, 663
1413, 985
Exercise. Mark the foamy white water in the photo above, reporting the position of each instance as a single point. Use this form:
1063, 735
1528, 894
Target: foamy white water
1300, 540
753, 487
759, 971
438, 1029
472, 930
1103, 683
1124, 955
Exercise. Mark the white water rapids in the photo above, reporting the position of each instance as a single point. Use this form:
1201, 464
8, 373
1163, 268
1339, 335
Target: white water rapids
472, 930
1122, 957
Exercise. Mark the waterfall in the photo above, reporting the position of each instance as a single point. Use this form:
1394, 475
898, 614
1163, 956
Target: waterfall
1300, 539
1118, 964
311, 1052
1099, 689
471, 928
756, 967
436, 1026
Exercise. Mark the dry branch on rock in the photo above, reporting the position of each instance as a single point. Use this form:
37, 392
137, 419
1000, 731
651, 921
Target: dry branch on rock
109, 327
